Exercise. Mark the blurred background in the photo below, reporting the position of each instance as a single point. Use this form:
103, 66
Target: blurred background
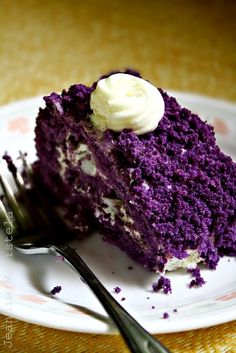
184, 45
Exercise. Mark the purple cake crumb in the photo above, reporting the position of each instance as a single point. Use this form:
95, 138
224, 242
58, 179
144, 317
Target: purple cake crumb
175, 310
164, 284
60, 258
198, 280
166, 315
117, 290
11, 166
56, 290
122, 299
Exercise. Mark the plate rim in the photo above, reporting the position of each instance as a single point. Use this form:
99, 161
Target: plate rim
193, 323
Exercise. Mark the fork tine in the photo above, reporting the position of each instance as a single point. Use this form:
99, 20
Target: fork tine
19, 181
4, 215
3, 211
12, 202
31, 180
26, 167
24, 202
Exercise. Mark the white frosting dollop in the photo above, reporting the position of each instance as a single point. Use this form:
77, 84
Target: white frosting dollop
123, 101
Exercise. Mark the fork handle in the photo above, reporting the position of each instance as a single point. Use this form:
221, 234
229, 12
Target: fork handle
136, 337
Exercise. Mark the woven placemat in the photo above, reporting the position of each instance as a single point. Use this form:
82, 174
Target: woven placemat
27, 337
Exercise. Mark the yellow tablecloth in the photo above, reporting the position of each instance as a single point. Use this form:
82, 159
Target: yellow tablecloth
32, 338
181, 45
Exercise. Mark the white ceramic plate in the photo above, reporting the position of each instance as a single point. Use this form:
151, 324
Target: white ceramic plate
26, 281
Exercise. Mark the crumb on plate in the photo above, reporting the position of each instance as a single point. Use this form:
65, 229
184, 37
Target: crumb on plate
117, 290
56, 290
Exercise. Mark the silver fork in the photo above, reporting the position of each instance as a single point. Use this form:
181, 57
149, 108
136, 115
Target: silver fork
36, 233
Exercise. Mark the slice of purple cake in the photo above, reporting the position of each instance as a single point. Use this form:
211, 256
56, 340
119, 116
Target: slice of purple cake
124, 157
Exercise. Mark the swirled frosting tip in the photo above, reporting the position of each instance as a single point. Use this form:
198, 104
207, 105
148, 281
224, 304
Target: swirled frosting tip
123, 101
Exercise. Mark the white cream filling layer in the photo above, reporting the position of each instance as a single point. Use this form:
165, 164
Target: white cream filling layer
82, 151
61, 161
88, 167
83, 155
190, 261
112, 207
